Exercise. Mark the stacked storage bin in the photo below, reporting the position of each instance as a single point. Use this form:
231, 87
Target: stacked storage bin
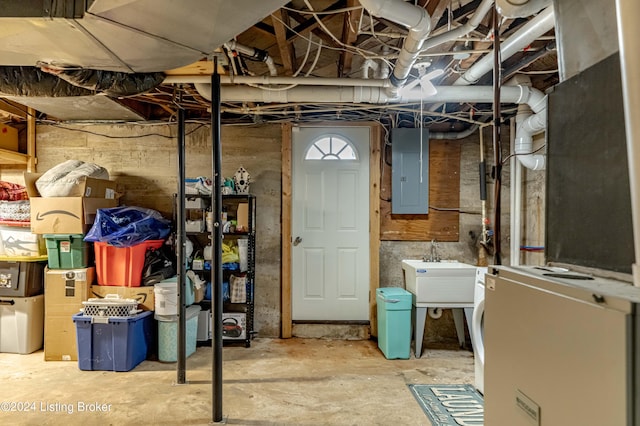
21, 304
113, 334
166, 305
68, 279
122, 238
61, 215
22, 262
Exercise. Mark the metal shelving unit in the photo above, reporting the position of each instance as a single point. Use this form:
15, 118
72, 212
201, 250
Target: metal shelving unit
238, 317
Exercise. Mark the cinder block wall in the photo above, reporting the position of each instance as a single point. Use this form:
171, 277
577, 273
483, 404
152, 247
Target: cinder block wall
142, 159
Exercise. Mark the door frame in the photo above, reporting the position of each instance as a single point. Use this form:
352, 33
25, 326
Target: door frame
375, 146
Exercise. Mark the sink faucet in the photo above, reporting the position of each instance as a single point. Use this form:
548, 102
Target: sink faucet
433, 255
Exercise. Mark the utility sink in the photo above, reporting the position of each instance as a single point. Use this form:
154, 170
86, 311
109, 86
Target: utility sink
444, 282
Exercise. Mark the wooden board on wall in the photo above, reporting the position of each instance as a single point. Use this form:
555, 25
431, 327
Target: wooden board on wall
444, 193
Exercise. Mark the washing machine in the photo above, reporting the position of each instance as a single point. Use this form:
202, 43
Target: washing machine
477, 328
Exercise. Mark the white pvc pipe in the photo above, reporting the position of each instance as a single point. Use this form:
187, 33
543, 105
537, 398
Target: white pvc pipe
520, 9
462, 30
629, 39
376, 95
284, 81
512, 198
367, 65
413, 17
516, 200
526, 126
518, 41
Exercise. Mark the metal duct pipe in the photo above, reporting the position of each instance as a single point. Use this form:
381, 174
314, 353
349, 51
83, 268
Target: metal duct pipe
462, 30
257, 54
413, 17
519, 40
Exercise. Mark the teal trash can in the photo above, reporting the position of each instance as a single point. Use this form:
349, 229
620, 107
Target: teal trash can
394, 322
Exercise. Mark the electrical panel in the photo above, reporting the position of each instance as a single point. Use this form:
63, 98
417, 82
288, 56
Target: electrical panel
409, 171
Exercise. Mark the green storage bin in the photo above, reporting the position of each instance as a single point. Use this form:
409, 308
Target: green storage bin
394, 322
68, 251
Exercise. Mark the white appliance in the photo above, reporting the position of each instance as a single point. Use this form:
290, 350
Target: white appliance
477, 328
561, 348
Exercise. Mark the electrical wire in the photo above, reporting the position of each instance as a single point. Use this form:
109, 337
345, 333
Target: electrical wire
508, 157
346, 48
291, 86
326, 12
73, 129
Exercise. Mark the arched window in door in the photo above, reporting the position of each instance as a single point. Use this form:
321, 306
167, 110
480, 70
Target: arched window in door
331, 147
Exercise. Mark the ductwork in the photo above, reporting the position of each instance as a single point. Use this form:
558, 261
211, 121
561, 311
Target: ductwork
123, 35
252, 52
413, 17
111, 83
56, 82
31, 81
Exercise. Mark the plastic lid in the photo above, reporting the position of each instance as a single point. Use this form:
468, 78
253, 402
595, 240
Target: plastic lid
192, 311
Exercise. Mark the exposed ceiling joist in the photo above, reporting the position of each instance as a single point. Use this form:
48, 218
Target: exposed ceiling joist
287, 53
350, 29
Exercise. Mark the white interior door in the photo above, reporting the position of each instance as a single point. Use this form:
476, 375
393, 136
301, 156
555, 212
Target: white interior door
330, 224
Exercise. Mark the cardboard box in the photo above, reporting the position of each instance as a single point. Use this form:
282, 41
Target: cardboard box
8, 137
234, 326
242, 217
87, 187
69, 215
64, 291
144, 295
60, 338
66, 215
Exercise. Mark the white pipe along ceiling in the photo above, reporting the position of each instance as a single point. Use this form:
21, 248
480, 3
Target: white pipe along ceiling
376, 91
101, 45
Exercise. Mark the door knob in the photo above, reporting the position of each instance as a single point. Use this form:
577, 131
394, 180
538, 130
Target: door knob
297, 241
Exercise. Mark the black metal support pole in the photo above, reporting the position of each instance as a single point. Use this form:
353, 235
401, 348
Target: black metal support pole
497, 145
180, 250
216, 270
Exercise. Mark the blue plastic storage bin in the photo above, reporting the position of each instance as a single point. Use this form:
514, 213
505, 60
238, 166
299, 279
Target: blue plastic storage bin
111, 343
394, 322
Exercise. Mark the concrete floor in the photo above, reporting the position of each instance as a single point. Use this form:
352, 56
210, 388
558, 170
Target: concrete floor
275, 382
